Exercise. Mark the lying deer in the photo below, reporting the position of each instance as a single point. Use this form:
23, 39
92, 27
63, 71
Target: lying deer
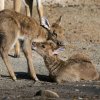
76, 68
14, 26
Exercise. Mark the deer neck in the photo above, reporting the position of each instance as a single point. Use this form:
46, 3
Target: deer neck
42, 34
53, 64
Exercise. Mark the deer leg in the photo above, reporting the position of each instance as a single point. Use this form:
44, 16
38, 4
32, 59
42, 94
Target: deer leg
29, 6
28, 54
40, 8
17, 5
4, 56
17, 8
27, 11
17, 50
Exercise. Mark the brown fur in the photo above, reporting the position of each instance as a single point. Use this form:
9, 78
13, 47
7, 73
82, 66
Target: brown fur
14, 26
76, 68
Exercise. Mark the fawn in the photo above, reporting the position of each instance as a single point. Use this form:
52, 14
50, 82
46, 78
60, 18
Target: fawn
14, 26
78, 67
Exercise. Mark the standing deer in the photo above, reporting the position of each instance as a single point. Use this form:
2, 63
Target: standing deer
14, 26
78, 67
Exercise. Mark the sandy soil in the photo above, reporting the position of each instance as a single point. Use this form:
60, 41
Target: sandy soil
82, 28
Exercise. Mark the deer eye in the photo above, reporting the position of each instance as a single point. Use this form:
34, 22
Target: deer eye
43, 46
54, 33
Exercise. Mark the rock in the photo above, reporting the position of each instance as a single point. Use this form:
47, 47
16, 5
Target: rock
47, 94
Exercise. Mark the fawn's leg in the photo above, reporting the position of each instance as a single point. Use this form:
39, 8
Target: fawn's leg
17, 8
4, 55
17, 49
28, 54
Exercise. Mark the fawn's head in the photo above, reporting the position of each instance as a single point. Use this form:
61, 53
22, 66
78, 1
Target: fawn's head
48, 48
56, 33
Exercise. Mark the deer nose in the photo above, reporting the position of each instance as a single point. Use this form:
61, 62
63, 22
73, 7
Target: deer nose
60, 43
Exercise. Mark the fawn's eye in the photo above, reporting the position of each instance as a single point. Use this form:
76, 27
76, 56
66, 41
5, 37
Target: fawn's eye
54, 33
43, 46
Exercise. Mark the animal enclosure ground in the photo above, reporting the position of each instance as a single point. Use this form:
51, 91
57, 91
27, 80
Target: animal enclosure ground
82, 28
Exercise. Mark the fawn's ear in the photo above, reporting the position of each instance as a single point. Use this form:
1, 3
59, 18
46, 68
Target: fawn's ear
59, 20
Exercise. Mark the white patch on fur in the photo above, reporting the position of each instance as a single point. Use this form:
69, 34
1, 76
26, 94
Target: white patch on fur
58, 51
22, 37
33, 47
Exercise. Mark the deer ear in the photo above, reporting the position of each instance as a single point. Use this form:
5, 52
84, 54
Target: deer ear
59, 20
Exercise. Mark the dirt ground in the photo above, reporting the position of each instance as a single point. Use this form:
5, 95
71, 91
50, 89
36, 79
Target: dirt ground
82, 29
